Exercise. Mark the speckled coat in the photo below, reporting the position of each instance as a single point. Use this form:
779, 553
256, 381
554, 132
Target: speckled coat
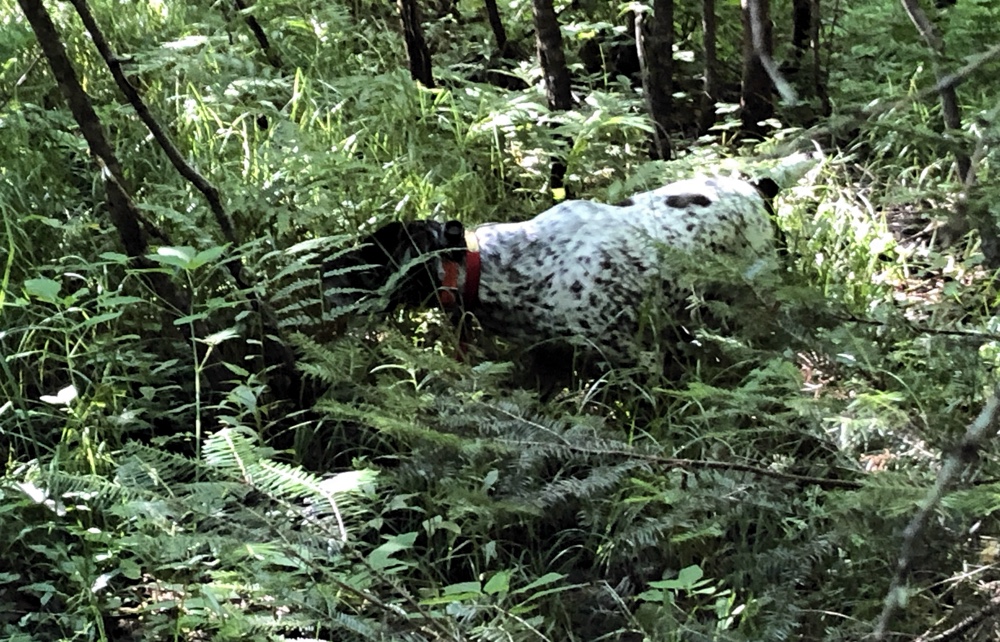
580, 272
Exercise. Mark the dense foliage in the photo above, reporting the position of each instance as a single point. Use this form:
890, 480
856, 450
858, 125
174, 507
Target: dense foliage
161, 482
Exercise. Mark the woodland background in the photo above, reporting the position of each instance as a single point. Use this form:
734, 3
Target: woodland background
194, 448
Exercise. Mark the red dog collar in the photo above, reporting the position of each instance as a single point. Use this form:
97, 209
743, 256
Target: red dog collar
449, 284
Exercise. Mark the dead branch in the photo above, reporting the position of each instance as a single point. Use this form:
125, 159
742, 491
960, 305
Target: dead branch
258, 32
687, 464
957, 632
972, 335
209, 191
983, 428
276, 352
20, 81
951, 112
134, 230
868, 112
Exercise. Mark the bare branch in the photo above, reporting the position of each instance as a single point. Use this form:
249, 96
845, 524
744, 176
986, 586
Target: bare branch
983, 428
710, 88
923, 25
688, 464
950, 109
957, 632
132, 227
209, 191
258, 33
871, 111
276, 352
20, 81
134, 230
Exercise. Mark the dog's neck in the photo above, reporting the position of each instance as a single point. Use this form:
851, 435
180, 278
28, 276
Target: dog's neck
450, 268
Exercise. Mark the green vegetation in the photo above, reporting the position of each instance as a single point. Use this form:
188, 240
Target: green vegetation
158, 486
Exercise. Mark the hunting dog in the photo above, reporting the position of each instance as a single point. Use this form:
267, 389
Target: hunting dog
579, 274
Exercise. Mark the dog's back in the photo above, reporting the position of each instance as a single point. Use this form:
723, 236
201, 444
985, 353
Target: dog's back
580, 271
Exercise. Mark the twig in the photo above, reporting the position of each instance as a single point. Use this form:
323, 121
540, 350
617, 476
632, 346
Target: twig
872, 111
275, 351
963, 625
962, 222
969, 334
943, 83
19, 82
258, 33
133, 229
401, 617
676, 462
984, 427
431, 623
131, 225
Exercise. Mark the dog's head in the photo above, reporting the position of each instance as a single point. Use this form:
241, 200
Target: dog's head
399, 263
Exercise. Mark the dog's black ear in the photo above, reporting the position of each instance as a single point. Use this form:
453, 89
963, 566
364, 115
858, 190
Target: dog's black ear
454, 235
767, 187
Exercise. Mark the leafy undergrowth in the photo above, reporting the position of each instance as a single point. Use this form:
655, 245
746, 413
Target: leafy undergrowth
758, 487
757, 492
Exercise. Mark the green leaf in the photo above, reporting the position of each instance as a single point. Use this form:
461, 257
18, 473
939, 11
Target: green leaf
463, 587
45, 289
206, 256
381, 557
191, 317
499, 583
686, 579
99, 319
118, 300
181, 256
130, 569
448, 599
548, 578
114, 257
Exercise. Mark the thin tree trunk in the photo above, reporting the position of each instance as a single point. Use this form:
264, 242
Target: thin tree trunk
417, 52
818, 77
711, 65
553, 62
496, 24
133, 229
964, 217
655, 45
950, 109
801, 29
755, 98
277, 354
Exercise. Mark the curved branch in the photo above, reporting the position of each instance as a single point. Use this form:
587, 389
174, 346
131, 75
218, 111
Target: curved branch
757, 31
5, 100
958, 631
209, 191
868, 112
132, 227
